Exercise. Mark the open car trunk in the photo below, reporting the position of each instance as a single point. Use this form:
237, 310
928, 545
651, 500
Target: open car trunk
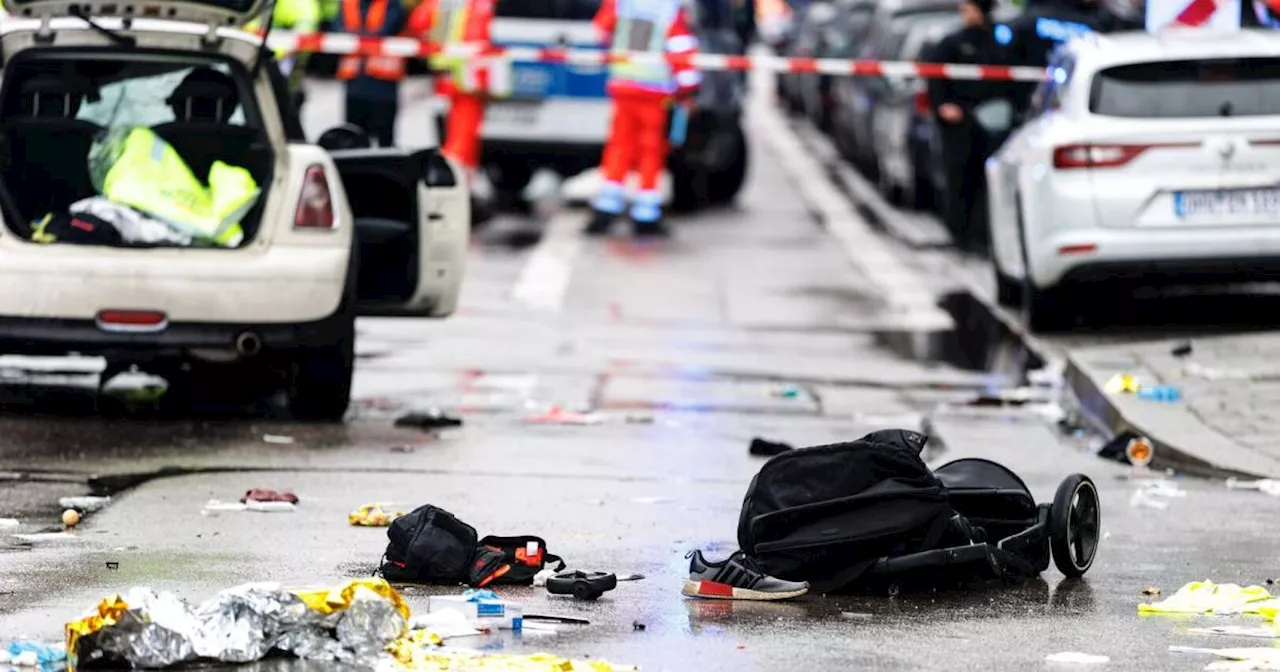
56, 102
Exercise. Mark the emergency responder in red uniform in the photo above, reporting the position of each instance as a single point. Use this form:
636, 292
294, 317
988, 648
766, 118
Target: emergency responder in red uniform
452, 23
642, 94
373, 83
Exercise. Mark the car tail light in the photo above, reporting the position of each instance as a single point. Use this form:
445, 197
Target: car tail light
922, 103
315, 205
1095, 156
132, 320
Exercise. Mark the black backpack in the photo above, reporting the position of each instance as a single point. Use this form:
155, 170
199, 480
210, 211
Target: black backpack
826, 514
430, 545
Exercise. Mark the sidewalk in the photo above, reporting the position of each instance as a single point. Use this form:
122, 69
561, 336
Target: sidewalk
1226, 421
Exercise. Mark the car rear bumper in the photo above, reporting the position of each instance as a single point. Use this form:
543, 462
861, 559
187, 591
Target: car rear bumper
1158, 256
276, 285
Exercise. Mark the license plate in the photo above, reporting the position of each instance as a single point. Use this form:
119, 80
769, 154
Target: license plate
1187, 204
513, 113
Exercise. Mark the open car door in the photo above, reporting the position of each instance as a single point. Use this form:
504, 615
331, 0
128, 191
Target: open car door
412, 217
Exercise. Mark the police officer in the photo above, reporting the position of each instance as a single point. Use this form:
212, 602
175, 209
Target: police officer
373, 83
965, 145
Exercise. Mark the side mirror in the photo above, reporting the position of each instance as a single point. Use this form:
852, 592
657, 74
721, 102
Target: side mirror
346, 136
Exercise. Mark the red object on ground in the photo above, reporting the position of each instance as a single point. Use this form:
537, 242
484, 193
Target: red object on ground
257, 495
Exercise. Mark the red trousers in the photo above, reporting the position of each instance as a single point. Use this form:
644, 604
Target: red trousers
637, 140
462, 135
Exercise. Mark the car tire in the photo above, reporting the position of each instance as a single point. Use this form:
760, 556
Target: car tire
724, 186
319, 382
1049, 310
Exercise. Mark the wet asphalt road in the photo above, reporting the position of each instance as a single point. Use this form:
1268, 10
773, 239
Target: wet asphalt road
682, 349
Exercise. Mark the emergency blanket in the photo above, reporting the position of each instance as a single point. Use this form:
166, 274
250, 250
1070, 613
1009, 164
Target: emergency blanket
1207, 597
132, 166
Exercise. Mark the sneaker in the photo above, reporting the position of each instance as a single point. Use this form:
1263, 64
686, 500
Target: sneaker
736, 578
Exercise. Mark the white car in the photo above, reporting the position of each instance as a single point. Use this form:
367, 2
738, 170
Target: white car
1148, 159
335, 233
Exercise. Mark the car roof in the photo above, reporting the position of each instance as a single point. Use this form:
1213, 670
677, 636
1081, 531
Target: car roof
1174, 43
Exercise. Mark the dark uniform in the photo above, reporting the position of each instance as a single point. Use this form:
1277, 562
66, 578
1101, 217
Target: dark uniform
965, 145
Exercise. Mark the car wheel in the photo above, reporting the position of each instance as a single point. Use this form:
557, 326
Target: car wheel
688, 188
319, 385
724, 186
1049, 310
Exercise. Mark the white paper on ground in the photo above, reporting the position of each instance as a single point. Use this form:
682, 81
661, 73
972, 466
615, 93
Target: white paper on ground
1076, 658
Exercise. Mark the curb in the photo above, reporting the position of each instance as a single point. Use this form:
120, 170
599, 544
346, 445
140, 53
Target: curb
1171, 428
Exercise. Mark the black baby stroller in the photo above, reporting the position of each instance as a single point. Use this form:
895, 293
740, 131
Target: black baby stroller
869, 515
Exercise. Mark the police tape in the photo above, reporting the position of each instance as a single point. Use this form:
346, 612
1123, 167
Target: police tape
408, 47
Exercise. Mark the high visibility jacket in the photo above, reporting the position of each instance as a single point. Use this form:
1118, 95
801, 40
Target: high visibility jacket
133, 166
449, 23
302, 16
649, 26
389, 68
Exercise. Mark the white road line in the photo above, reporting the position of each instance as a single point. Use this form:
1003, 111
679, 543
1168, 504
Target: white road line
544, 281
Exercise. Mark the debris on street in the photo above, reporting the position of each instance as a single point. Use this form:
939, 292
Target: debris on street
1076, 658
1122, 383
84, 504
372, 515
1181, 350
1262, 631
431, 419
582, 585
213, 507
70, 518
33, 654
1128, 449
482, 607
1154, 494
1207, 597
1151, 591
559, 416
786, 391
9, 522
1236, 658
277, 439
1166, 393
765, 448
1267, 485
263, 496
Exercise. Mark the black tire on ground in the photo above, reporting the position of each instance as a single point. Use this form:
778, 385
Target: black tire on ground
1008, 291
688, 189
319, 383
1074, 522
724, 186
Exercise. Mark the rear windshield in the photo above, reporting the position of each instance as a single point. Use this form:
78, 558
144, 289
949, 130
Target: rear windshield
559, 10
1236, 87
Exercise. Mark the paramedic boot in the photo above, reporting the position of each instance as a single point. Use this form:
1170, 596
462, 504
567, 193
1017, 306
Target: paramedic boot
736, 578
646, 214
610, 202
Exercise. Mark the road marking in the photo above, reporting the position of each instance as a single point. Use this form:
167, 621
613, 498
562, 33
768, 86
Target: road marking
544, 281
900, 287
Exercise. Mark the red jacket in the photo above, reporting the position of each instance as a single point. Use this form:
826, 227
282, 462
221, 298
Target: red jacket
680, 40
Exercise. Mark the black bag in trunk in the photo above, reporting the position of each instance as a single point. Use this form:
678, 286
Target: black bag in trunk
826, 514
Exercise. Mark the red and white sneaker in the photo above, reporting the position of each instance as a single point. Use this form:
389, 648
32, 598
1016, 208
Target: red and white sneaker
736, 578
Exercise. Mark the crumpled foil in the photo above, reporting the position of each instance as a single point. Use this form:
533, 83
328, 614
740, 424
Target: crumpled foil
240, 625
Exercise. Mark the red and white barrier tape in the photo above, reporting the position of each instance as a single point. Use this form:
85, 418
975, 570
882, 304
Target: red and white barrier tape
343, 43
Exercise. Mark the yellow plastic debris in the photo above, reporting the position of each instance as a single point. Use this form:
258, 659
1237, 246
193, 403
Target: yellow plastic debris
332, 600
452, 660
108, 613
1207, 597
1122, 382
372, 515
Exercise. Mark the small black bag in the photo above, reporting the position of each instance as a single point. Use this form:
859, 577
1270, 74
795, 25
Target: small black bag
430, 545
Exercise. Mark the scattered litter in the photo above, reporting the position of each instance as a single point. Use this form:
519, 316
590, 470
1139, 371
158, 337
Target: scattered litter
113, 566
432, 419
445, 623
372, 515
786, 391
278, 439
559, 416
567, 620
482, 607
637, 626
70, 518
540, 579
1181, 349
1076, 658
631, 577
1128, 448
1242, 658
1143, 499
1267, 485
1207, 597
460, 659
403, 449
650, 500
265, 496
1262, 632
9, 522
854, 616
1151, 591
84, 504
1154, 494
1166, 393
34, 654
1209, 373
214, 507
766, 448
640, 419
582, 585
1122, 383
742, 646
46, 536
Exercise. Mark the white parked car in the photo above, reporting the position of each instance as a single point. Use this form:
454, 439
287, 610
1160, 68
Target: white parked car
1147, 159
334, 234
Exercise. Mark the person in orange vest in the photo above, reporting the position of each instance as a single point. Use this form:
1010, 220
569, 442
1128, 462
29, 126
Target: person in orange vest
642, 94
373, 82
468, 83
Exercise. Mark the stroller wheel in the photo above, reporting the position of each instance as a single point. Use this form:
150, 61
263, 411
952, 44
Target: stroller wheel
1074, 521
